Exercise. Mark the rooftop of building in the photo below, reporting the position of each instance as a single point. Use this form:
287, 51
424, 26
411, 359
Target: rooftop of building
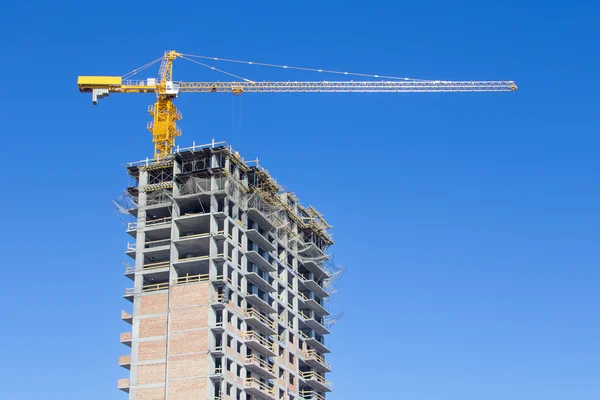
260, 182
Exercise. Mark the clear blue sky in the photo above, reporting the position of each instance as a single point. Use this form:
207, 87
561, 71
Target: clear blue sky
469, 222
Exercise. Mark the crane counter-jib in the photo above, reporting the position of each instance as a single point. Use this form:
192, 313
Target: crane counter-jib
87, 83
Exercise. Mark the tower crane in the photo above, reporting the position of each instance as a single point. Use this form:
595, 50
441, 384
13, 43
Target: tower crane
165, 114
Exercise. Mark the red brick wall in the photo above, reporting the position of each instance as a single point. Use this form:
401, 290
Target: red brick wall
150, 394
187, 365
188, 342
151, 373
154, 350
189, 318
187, 389
153, 327
153, 304
189, 295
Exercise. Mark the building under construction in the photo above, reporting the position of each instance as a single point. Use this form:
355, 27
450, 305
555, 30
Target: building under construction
229, 283
229, 276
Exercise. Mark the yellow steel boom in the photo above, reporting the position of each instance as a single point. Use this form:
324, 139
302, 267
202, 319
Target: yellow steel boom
165, 114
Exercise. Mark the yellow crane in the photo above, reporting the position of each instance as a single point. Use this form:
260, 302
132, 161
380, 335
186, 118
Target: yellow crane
165, 115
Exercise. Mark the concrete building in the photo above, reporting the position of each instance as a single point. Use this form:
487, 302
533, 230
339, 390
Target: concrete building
228, 283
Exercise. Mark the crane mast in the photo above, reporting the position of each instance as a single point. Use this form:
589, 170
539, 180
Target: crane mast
165, 114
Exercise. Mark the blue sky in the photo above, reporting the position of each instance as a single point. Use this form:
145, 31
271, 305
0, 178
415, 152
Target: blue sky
468, 222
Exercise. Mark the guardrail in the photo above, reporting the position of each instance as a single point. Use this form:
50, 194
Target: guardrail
156, 243
303, 296
312, 354
192, 279
195, 235
194, 258
252, 313
222, 278
161, 264
219, 298
311, 395
268, 343
306, 337
158, 221
129, 269
155, 287
263, 387
253, 359
312, 375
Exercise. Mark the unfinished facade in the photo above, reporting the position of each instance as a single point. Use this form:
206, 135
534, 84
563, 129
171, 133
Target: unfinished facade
229, 283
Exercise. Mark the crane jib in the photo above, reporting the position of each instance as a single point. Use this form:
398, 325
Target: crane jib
114, 84
165, 115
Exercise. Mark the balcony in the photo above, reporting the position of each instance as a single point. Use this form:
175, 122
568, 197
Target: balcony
194, 215
260, 343
316, 361
259, 277
220, 257
311, 395
222, 280
129, 293
313, 321
259, 217
123, 384
132, 228
217, 375
218, 326
316, 381
260, 366
194, 250
158, 222
125, 316
156, 265
191, 241
217, 350
157, 245
259, 389
259, 300
125, 338
129, 271
258, 238
260, 259
193, 260
259, 321
130, 251
125, 361
315, 341
190, 236
315, 303
316, 267
308, 280
219, 301
221, 235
